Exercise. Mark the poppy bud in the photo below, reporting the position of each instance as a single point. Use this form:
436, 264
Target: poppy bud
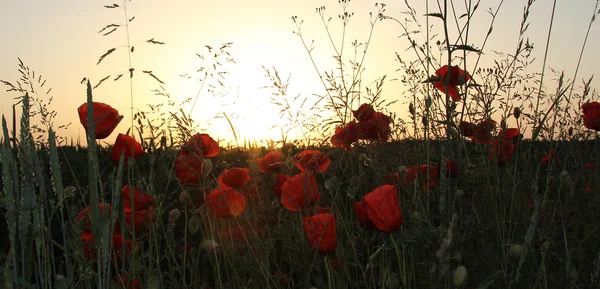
425, 122
517, 112
330, 183
459, 193
573, 275
428, 102
411, 109
174, 215
460, 275
391, 281
194, 225
515, 251
206, 167
185, 198
209, 245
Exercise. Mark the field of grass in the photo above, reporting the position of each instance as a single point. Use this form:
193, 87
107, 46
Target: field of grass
454, 197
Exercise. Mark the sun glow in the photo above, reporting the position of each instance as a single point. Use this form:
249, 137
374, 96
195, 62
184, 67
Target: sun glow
242, 108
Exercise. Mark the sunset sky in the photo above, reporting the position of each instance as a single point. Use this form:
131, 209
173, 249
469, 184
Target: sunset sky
59, 39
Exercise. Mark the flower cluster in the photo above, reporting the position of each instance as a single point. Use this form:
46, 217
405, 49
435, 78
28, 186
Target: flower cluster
369, 125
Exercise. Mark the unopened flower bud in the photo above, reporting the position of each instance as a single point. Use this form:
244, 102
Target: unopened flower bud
515, 251
460, 275
209, 245
194, 225
174, 215
206, 167
411, 109
185, 198
517, 112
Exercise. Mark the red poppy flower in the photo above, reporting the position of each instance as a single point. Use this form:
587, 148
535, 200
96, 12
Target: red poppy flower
550, 157
225, 202
483, 132
467, 129
320, 209
300, 191
321, 233
510, 134
106, 118
128, 146
124, 282
345, 136
420, 172
141, 200
452, 168
188, 167
250, 192
142, 218
311, 160
271, 163
202, 144
503, 150
392, 179
589, 167
280, 179
457, 77
360, 211
364, 112
234, 177
375, 129
383, 208
121, 246
85, 216
591, 115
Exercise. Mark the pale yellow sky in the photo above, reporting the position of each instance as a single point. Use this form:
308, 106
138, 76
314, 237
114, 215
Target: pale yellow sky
59, 40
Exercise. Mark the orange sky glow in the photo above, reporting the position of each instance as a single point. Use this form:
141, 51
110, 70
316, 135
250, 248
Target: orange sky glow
59, 40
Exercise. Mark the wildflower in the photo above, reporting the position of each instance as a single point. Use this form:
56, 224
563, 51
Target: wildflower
140, 199
483, 132
84, 216
225, 202
360, 211
189, 167
392, 179
234, 178
142, 213
457, 77
510, 134
345, 136
311, 160
550, 157
364, 112
127, 146
121, 246
300, 191
321, 232
202, 144
502, 150
467, 129
383, 208
271, 163
106, 118
591, 115
377, 128
280, 179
